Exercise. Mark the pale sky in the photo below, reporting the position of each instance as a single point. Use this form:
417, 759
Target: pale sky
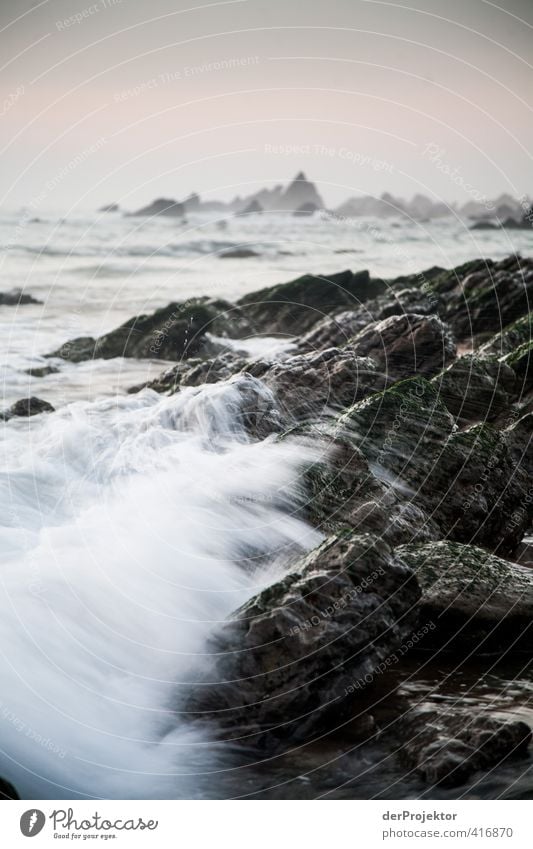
124, 100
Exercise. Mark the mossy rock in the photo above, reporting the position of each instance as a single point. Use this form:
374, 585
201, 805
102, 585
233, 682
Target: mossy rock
473, 597
476, 388
174, 332
293, 307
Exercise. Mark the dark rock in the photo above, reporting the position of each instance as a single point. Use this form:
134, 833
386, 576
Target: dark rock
344, 493
7, 791
298, 193
253, 208
447, 747
511, 337
238, 253
27, 407
477, 601
110, 207
175, 332
289, 661
476, 388
166, 207
404, 345
319, 382
293, 308
42, 371
482, 297
485, 225
16, 297
305, 210
468, 481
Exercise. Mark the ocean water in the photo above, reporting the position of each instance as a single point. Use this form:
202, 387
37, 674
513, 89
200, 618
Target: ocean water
94, 271
132, 524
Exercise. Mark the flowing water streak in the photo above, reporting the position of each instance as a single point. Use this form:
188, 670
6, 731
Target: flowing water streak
128, 528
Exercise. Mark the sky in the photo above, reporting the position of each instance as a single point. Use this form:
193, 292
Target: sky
125, 100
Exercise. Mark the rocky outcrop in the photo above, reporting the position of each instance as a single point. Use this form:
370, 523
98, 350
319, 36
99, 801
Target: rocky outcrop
300, 192
238, 253
27, 407
467, 481
164, 207
408, 344
252, 208
482, 297
292, 308
319, 383
175, 332
477, 388
16, 297
305, 210
41, 371
446, 747
110, 207
288, 662
477, 601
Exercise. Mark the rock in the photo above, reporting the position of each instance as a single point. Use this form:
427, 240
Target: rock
470, 482
511, 337
404, 345
482, 297
476, 388
166, 207
305, 210
298, 193
485, 225
517, 224
344, 493
238, 253
320, 382
253, 208
192, 203
339, 329
292, 308
521, 361
16, 297
7, 791
477, 601
42, 371
110, 207
27, 407
447, 747
289, 661
175, 332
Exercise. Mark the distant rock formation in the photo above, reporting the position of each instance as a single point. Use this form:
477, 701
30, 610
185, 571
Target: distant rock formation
382, 207
162, 206
110, 207
300, 192
253, 208
306, 209
193, 203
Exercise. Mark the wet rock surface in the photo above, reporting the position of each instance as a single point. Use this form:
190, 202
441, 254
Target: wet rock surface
16, 297
447, 748
477, 600
27, 407
295, 653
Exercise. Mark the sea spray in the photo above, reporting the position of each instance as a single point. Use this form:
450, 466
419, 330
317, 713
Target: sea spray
132, 527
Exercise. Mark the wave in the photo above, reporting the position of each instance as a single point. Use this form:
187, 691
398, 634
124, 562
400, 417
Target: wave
131, 527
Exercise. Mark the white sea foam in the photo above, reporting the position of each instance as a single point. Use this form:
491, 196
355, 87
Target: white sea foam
131, 527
